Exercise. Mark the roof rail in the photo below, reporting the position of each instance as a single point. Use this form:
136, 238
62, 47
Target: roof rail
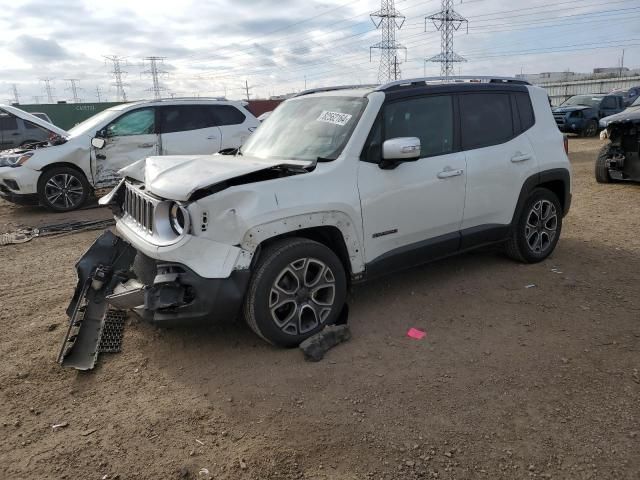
453, 79
330, 89
188, 98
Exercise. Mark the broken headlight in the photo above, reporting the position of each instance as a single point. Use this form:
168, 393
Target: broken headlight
15, 160
178, 218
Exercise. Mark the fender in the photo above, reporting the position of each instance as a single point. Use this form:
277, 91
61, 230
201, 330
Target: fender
259, 233
541, 178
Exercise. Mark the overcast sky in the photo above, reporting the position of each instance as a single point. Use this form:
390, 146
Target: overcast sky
212, 47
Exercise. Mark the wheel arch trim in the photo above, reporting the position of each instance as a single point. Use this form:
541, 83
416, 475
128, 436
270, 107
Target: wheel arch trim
554, 176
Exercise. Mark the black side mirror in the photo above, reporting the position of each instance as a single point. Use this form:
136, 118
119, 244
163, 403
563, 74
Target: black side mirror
101, 133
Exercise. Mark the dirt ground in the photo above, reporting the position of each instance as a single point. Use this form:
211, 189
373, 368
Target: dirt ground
510, 382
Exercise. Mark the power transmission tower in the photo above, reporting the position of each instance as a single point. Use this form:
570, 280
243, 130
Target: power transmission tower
117, 76
48, 89
155, 73
74, 89
246, 88
447, 21
14, 90
36, 99
388, 20
99, 94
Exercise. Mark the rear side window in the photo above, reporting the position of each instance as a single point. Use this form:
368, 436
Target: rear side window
485, 119
525, 111
609, 102
428, 118
227, 115
8, 123
182, 118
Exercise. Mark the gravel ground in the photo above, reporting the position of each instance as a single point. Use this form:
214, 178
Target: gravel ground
510, 382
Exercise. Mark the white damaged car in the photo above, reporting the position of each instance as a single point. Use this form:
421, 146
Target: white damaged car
336, 187
62, 173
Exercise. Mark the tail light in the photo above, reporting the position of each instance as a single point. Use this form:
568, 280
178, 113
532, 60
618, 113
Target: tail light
565, 140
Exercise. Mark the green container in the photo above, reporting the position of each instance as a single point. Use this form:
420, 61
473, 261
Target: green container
66, 115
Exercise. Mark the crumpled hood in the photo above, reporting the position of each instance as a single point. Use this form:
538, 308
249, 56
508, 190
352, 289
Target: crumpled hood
177, 177
571, 108
631, 113
16, 112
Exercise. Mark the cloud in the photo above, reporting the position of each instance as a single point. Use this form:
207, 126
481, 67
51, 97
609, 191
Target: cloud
36, 49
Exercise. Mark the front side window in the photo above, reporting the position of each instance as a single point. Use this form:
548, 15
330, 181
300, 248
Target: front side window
137, 122
307, 128
182, 118
7, 122
428, 118
486, 119
609, 102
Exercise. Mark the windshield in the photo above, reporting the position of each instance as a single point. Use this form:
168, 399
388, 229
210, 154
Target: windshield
586, 100
306, 129
90, 125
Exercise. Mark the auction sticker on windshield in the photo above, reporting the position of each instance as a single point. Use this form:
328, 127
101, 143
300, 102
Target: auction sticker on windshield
336, 118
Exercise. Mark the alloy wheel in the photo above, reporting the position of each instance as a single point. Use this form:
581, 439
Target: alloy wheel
541, 227
302, 296
64, 191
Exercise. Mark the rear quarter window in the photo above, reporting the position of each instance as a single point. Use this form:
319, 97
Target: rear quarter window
486, 119
525, 111
227, 115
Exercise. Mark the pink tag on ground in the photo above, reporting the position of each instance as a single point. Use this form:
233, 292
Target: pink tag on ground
415, 333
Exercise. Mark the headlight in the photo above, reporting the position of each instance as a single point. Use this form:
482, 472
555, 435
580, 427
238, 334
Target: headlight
15, 160
179, 219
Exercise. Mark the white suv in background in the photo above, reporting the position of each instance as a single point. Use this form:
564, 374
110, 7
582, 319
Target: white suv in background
61, 174
337, 186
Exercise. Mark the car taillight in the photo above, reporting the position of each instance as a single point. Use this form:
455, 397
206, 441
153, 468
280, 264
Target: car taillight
565, 140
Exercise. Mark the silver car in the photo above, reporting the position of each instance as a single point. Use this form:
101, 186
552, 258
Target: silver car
16, 132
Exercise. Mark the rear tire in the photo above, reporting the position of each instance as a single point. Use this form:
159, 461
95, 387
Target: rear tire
591, 129
297, 288
537, 228
63, 189
601, 170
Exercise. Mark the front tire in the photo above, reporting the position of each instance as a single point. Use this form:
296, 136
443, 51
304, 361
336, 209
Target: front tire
63, 189
601, 170
591, 129
537, 229
298, 287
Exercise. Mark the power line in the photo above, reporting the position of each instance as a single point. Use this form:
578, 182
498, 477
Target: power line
447, 21
74, 89
390, 19
14, 91
48, 89
117, 73
155, 73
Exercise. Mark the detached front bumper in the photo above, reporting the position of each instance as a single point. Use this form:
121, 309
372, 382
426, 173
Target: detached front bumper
113, 275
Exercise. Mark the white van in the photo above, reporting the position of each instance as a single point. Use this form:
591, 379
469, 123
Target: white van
60, 174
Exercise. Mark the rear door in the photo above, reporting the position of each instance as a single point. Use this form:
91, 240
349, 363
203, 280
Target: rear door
129, 138
500, 158
610, 106
189, 130
10, 132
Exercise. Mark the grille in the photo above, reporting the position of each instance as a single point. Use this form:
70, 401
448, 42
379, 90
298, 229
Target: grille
112, 331
139, 208
559, 118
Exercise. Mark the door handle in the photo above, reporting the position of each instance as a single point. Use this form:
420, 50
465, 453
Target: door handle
100, 156
519, 157
146, 145
15, 134
448, 173
212, 137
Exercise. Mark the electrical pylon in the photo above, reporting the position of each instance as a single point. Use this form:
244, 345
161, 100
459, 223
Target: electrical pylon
388, 20
447, 21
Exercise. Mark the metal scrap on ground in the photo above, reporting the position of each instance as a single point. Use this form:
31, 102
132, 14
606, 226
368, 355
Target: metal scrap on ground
26, 234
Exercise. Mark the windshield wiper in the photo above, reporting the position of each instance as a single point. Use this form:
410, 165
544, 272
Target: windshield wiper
324, 159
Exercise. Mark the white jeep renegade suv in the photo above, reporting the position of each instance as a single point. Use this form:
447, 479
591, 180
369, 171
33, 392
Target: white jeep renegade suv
337, 186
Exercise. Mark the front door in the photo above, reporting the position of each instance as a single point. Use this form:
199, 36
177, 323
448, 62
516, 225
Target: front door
129, 138
189, 130
412, 213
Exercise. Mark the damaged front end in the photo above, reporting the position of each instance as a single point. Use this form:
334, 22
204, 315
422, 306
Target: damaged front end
621, 157
113, 278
